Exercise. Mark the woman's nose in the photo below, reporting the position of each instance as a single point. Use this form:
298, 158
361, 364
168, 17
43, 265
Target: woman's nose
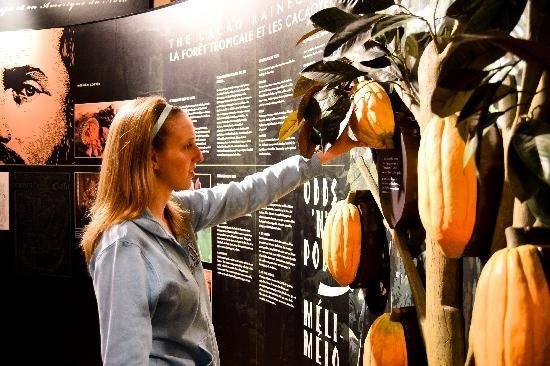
200, 158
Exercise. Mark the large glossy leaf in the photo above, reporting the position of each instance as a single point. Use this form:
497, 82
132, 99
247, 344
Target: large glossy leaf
483, 97
306, 146
463, 79
462, 55
290, 126
377, 63
446, 102
374, 50
531, 141
330, 72
530, 51
411, 48
333, 19
309, 107
384, 74
496, 14
303, 85
391, 22
481, 15
351, 32
315, 30
538, 204
466, 54
463, 10
364, 6
327, 98
313, 111
328, 126
523, 182
470, 149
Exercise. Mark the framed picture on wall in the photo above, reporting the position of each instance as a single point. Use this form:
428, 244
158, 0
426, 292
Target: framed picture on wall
91, 127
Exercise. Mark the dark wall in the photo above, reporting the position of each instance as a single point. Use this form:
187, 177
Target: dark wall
232, 65
39, 14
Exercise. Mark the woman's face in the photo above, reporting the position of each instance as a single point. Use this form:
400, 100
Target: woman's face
175, 163
33, 88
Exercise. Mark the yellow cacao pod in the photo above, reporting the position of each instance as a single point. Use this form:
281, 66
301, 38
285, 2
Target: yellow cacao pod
511, 313
341, 242
372, 120
447, 190
385, 344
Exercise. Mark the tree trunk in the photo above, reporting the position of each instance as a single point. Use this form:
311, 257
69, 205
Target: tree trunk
444, 319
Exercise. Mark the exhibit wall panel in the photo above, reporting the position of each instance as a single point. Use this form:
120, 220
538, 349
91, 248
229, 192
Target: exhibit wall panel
232, 66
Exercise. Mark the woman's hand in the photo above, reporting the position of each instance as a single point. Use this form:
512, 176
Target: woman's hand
342, 145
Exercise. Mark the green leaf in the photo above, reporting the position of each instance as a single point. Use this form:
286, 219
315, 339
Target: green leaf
391, 22
329, 125
377, 63
463, 79
527, 50
308, 106
303, 85
531, 141
477, 50
364, 6
388, 73
326, 72
410, 46
523, 182
481, 15
351, 32
466, 54
333, 19
328, 128
308, 34
446, 102
374, 50
313, 111
490, 119
495, 14
463, 10
306, 145
538, 204
483, 97
290, 126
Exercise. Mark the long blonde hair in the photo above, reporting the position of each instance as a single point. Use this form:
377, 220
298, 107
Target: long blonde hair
126, 179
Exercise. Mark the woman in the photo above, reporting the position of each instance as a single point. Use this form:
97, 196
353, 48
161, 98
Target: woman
141, 246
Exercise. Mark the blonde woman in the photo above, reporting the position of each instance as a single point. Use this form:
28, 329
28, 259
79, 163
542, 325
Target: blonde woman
140, 245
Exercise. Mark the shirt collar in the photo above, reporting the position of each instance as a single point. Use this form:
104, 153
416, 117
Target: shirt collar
148, 222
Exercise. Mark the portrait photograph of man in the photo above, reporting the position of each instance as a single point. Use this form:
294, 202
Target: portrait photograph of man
34, 96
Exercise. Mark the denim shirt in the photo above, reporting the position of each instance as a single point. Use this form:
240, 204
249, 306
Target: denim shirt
152, 298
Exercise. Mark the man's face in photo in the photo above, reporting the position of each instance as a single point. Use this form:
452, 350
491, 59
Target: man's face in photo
33, 88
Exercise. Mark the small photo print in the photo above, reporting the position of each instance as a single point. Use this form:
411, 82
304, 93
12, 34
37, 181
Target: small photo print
91, 127
4, 201
85, 191
204, 236
208, 278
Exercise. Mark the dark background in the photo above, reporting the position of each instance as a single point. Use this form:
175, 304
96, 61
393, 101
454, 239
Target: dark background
51, 310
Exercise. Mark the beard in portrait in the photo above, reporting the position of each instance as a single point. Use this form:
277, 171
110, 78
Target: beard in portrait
35, 103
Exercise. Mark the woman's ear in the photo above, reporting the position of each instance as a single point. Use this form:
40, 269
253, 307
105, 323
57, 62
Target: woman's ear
154, 160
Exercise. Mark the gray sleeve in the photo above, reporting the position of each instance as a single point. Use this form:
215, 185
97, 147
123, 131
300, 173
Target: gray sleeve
123, 283
212, 206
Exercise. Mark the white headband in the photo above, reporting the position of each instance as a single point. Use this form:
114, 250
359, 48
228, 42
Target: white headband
161, 120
